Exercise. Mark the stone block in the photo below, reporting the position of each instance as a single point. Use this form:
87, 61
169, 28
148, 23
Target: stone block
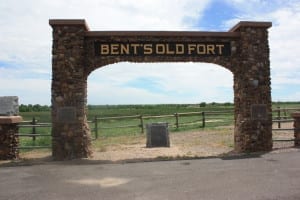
9, 106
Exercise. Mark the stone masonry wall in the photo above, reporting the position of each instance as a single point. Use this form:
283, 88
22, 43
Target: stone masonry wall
70, 138
252, 87
9, 141
296, 116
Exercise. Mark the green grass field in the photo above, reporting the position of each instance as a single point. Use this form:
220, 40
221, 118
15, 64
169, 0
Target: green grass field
106, 127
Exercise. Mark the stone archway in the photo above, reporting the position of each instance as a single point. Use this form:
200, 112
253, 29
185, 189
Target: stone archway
77, 51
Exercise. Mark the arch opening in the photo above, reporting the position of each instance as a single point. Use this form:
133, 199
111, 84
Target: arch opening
155, 89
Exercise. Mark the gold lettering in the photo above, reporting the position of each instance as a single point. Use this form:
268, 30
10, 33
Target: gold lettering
135, 46
169, 51
160, 49
114, 49
104, 49
210, 49
201, 49
179, 49
148, 49
220, 46
191, 47
124, 49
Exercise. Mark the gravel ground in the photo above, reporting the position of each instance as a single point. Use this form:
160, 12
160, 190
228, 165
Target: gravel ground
189, 144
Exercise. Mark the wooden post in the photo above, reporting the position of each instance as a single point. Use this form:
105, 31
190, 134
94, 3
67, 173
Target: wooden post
33, 128
142, 123
278, 117
96, 127
177, 120
285, 113
203, 119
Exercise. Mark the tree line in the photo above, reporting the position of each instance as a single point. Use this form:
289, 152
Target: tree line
41, 108
34, 108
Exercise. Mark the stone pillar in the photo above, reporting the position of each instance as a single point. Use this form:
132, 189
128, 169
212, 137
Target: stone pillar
9, 140
296, 116
70, 132
253, 116
9, 119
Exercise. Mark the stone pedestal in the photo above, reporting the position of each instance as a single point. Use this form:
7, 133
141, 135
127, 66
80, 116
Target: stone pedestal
9, 140
296, 116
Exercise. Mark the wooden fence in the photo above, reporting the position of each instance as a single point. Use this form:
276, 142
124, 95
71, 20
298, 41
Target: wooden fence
280, 116
33, 125
204, 118
283, 115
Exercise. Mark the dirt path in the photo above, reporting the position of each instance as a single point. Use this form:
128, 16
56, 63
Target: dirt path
182, 145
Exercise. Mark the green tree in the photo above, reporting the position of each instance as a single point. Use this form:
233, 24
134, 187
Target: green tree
202, 104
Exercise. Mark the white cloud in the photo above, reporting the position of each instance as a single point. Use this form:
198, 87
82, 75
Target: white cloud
25, 36
177, 82
29, 91
291, 97
283, 35
25, 40
284, 39
105, 93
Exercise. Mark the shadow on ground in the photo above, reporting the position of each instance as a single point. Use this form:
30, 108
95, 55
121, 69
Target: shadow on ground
231, 155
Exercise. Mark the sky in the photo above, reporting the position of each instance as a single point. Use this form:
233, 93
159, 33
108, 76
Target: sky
26, 44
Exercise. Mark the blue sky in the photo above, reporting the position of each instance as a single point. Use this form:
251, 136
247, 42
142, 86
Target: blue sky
26, 39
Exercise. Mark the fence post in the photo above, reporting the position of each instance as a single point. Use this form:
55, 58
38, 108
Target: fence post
177, 120
33, 128
142, 123
203, 119
96, 127
285, 113
278, 117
